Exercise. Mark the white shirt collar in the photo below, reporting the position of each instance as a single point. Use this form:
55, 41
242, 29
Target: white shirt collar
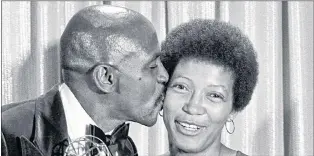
75, 115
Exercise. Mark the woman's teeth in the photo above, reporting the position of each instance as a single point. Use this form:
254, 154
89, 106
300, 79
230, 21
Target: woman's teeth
189, 127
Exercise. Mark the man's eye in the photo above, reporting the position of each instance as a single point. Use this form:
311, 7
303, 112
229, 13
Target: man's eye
153, 65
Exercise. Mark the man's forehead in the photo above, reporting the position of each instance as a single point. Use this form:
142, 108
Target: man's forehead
120, 45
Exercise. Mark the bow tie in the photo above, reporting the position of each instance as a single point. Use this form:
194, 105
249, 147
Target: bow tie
118, 142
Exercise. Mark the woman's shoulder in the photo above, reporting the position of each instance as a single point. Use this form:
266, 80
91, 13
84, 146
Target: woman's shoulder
239, 153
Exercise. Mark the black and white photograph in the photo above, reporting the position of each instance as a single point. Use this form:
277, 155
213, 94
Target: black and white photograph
157, 78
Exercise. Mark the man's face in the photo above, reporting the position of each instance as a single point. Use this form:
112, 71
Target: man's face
142, 79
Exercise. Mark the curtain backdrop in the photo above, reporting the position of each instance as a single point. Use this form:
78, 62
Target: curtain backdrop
279, 118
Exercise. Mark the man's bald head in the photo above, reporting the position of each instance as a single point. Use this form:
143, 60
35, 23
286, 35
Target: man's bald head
110, 61
104, 34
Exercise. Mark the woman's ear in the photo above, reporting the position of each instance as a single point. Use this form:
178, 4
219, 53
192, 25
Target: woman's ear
105, 78
232, 115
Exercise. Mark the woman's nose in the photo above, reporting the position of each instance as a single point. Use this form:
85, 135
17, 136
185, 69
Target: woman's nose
194, 106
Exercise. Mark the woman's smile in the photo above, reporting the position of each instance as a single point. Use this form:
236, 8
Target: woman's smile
188, 129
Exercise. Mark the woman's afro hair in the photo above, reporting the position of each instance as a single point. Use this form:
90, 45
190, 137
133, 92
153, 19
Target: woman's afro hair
217, 42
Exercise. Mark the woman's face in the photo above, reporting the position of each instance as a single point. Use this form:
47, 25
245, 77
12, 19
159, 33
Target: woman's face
197, 104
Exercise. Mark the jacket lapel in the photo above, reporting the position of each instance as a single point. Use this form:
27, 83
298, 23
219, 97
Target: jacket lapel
50, 132
28, 148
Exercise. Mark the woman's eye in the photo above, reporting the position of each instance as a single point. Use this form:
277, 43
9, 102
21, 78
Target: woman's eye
215, 97
179, 87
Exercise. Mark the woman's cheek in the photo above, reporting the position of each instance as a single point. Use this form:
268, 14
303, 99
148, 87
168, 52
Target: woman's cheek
173, 102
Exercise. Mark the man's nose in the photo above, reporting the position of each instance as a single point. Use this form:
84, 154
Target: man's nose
163, 75
194, 105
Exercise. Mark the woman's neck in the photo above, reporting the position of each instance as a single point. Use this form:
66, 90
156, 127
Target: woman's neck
214, 149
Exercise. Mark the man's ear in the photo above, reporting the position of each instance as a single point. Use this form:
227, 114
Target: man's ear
105, 78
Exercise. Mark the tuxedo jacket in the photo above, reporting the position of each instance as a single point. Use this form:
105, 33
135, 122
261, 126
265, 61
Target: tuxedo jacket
35, 128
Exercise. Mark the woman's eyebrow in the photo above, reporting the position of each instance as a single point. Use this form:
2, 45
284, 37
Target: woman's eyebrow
218, 86
181, 76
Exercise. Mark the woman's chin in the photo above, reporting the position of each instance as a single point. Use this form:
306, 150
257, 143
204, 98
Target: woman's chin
188, 147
